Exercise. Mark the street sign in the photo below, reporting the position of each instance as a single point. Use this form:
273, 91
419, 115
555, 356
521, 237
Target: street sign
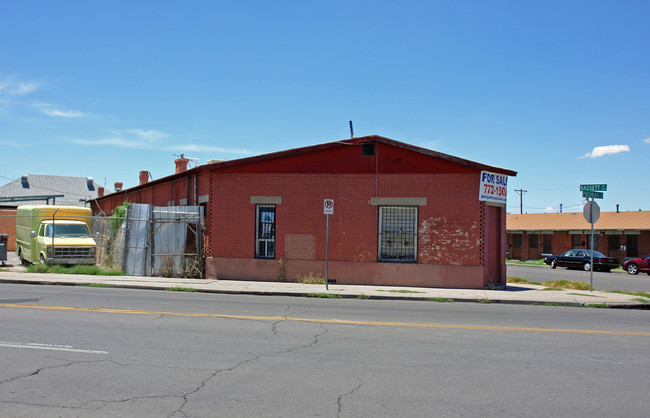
593, 195
591, 212
593, 187
328, 207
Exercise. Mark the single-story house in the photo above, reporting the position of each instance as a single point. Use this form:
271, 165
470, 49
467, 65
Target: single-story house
399, 214
621, 235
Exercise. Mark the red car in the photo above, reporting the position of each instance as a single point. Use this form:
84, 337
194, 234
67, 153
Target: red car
635, 265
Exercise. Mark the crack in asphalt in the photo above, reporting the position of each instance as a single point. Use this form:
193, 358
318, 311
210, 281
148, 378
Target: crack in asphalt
186, 396
339, 401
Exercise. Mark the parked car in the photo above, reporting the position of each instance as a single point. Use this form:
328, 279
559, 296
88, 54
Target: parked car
581, 259
635, 265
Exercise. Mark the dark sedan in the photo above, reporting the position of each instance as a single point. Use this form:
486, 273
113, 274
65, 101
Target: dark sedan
636, 265
581, 259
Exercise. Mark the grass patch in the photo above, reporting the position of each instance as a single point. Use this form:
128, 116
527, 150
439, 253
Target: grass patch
582, 294
311, 278
400, 291
567, 284
181, 289
88, 270
644, 296
440, 299
539, 262
362, 296
516, 279
323, 295
96, 285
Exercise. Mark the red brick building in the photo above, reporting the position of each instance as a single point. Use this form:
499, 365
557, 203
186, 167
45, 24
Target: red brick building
403, 215
622, 235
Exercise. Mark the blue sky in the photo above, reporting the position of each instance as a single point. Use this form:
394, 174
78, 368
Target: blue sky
558, 91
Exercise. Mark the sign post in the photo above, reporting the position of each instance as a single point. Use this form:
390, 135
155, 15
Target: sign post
328, 209
591, 212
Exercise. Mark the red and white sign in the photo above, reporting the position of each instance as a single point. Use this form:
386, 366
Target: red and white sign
493, 187
328, 207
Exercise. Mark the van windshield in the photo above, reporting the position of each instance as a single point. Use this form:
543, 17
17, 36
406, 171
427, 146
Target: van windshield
67, 231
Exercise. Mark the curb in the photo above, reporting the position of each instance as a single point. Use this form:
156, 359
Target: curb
637, 306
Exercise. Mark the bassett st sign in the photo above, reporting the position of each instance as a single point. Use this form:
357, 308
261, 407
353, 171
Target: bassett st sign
493, 187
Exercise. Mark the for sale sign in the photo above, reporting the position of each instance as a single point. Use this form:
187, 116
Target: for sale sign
493, 187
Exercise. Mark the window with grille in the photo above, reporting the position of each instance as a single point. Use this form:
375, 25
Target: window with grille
398, 234
265, 231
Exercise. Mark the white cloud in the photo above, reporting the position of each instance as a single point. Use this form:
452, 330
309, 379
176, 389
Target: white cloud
604, 150
152, 139
647, 140
549, 209
148, 135
12, 87
62, 113
208, 148
13, 144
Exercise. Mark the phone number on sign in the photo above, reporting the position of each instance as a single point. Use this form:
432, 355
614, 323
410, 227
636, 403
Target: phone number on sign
494, 190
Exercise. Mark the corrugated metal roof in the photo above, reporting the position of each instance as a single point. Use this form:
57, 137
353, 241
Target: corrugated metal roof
639, 220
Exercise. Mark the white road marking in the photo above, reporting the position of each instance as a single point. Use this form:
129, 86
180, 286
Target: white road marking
40, 346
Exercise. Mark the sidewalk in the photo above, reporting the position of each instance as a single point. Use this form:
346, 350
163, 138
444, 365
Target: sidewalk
513, 294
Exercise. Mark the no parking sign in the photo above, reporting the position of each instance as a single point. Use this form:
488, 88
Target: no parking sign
328, 207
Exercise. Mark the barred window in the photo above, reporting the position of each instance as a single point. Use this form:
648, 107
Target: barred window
265, 231
398, 234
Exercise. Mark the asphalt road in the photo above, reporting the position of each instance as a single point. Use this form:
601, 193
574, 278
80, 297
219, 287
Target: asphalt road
74, 351
602, 281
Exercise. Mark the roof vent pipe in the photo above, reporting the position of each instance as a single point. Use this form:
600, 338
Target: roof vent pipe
617, 211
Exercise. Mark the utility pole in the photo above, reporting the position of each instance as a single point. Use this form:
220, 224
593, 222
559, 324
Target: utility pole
521, 193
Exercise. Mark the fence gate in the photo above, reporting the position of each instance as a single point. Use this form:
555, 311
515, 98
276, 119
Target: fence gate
164, 241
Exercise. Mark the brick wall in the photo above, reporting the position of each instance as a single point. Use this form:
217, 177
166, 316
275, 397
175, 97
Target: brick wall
449, 230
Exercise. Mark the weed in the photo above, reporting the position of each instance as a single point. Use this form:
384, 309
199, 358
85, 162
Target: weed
181, 289
399, 291
323, 295
167, 269
539, 262
95, 285
88, 270
642, 294
282, 270
440, 299
190, 268
514, 279
311, 279
583, 294
567, 284
483, 299
362, 296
